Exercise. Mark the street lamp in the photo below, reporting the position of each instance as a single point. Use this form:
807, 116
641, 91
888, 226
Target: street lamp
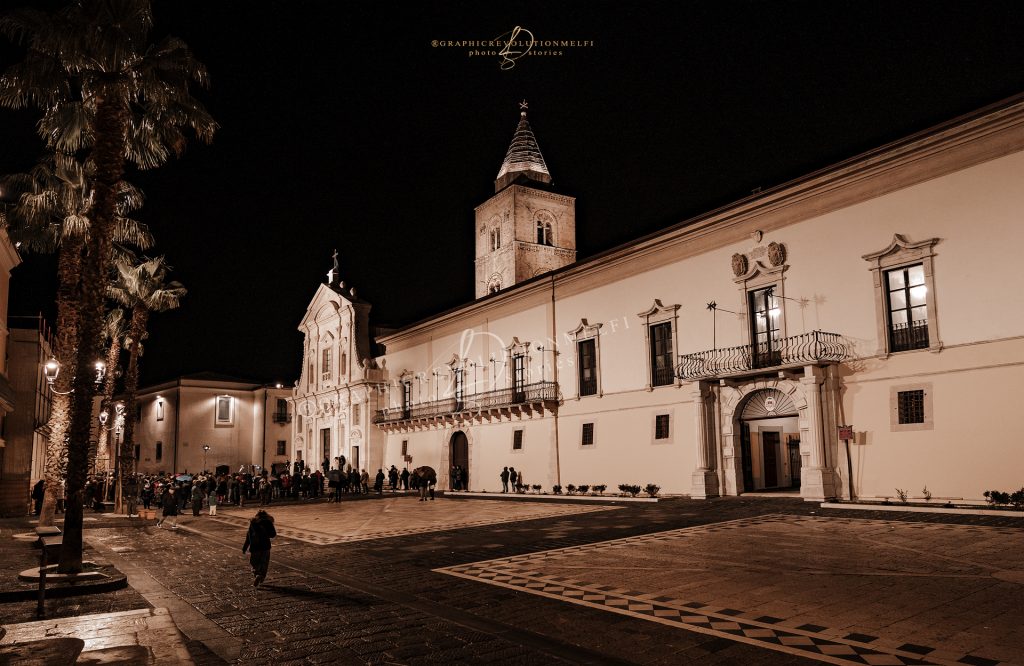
206, 449
51, 370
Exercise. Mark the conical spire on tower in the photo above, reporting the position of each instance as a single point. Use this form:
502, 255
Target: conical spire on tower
523, 157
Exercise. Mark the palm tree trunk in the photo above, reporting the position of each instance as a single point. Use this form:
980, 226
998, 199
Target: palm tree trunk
68, 272
102, 448
136, 330
108, 154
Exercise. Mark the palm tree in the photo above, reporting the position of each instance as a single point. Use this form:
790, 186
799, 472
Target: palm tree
114, 332
141, 289
104, 89
51, 214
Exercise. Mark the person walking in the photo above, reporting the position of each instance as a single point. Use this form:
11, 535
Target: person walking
364, 481
213, 504
378, 482
169, 502
504, 480
405, 478
257, 542
513, 477
393, 478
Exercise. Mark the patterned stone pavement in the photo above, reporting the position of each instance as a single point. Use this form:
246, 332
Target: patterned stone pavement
346, 522
728, 581
841, 591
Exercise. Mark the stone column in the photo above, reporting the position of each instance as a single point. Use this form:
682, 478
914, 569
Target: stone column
818, 480
705, 479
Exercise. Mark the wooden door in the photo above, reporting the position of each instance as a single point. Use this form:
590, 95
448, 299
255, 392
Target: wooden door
770, 451
746, 459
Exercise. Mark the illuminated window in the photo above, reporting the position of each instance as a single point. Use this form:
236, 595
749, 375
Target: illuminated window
159, 410
764, 328
225, 410
495, 239
907, 299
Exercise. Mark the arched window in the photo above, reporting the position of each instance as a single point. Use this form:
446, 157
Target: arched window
495, 239
543, 233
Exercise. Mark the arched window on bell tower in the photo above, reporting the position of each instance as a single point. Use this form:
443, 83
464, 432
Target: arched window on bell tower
544, 233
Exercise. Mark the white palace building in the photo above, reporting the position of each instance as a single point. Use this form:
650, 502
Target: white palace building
876, 293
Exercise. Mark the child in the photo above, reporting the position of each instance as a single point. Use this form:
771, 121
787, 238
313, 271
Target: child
213, 504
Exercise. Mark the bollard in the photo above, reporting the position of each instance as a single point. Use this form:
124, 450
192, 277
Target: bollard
41, 603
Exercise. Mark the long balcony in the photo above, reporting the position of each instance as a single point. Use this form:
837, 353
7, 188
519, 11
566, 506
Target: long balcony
530, 398
794, 351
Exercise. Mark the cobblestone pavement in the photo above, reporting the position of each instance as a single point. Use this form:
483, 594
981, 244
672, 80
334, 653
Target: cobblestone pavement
387, 600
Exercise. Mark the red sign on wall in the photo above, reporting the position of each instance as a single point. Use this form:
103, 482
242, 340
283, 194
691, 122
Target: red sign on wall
846, 432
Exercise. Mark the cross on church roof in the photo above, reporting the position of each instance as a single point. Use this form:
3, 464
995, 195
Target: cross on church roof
522, 107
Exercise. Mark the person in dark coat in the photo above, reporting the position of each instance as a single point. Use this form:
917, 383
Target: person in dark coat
169, 502
257, 542
405, 478
378, 481
38, 492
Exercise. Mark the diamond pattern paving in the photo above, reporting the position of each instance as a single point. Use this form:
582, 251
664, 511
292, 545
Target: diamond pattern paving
844, 591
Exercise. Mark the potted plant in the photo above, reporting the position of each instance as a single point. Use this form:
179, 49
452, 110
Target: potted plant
652, 490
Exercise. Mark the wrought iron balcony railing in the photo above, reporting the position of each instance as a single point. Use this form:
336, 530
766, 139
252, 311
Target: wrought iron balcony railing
913, 335
796, 350
540, 392
282, 417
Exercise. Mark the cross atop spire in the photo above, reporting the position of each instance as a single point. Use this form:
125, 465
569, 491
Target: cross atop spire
523, 157
333, 273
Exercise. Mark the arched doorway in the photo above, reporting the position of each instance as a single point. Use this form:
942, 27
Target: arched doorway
770, 456
458, 454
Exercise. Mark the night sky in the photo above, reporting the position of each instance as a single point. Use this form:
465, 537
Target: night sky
342, 126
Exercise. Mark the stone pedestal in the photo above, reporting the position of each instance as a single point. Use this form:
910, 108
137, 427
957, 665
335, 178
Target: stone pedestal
704, 484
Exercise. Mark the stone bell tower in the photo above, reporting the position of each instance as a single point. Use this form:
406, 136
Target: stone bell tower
525, 229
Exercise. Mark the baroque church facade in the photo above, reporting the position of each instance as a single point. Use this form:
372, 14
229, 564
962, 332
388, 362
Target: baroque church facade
850, 333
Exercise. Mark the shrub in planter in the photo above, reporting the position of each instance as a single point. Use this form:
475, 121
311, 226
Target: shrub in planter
584, 489
600, 489
556, 489
652, 490
630, 489
902, 494
927, 494
571, 489
536, 488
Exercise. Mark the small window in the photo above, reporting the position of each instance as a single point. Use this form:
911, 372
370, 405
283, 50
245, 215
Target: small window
543, 233
159, 451
405, 447
282, 447
225, 410
356, 411
517, 440
495, 239
343, 370
587, 438
159, 410
661, 426
325, 364
910, 405
138, 451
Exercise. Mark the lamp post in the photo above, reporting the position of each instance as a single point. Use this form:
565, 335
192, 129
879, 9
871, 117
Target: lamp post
51, 370
540, 348
206, 449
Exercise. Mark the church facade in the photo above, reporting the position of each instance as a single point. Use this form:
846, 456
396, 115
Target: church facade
850, 333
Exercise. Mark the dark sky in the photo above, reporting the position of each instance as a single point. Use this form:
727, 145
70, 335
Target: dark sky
343, 127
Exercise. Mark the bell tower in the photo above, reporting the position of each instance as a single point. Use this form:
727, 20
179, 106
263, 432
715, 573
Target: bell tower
525, 229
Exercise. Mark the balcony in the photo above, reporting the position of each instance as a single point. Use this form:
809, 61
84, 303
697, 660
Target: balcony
904, 337
529, 398
282, 417
795, 351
